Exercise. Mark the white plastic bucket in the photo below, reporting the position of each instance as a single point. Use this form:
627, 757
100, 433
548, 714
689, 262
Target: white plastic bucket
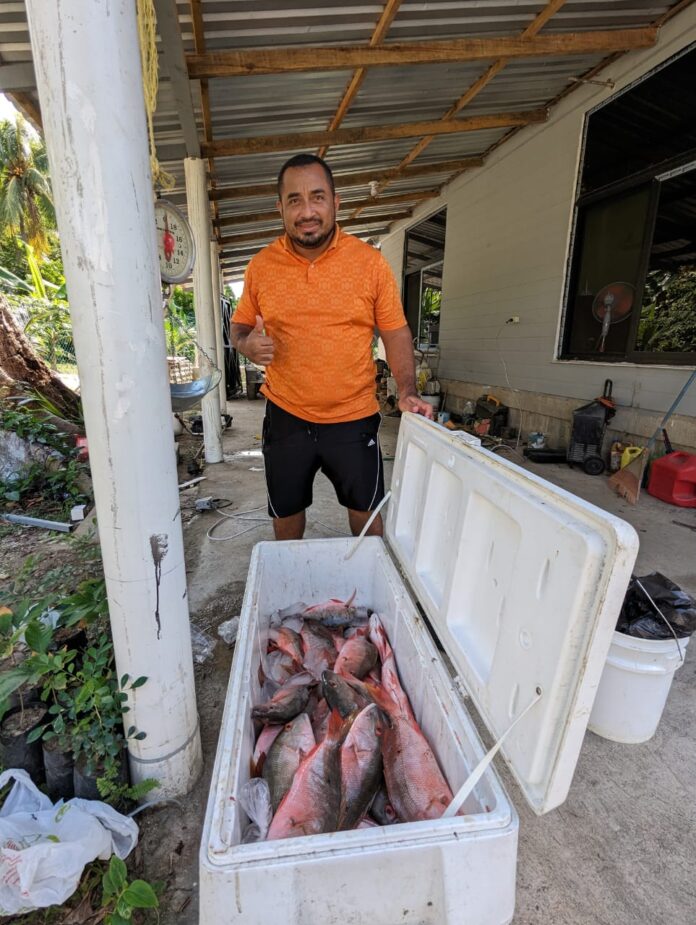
634, 686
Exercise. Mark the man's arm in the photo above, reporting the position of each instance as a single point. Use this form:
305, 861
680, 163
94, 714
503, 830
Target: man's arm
252, 342
402, 363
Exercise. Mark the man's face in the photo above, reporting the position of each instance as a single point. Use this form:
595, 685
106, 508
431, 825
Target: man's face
307, 206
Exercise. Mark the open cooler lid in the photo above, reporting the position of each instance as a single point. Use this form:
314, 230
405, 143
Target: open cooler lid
523, 583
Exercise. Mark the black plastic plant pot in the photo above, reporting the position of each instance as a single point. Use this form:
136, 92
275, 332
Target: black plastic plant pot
70, 637
26, 694
59, 767
86, 782
15, 751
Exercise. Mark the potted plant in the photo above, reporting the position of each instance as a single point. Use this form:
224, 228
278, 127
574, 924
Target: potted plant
86, 718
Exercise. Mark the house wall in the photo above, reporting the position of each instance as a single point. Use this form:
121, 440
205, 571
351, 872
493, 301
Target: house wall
508, 235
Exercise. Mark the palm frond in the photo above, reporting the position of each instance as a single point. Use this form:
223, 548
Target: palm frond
11, 205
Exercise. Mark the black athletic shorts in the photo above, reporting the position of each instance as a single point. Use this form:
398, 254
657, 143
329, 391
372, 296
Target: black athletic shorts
295, 450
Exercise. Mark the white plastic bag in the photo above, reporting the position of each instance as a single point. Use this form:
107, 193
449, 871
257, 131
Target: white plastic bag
255, 798
43, 848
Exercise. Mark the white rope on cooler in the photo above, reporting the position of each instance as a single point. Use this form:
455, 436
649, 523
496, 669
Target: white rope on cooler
367, 526
476, 775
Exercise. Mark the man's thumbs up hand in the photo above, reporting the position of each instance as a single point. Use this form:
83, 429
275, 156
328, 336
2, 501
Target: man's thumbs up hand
257, 346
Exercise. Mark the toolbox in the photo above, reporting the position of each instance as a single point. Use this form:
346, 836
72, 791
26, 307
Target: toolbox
522, 582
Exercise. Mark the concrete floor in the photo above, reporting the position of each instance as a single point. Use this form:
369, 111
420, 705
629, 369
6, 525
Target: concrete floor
621, 849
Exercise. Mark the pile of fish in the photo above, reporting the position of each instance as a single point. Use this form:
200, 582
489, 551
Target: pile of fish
339, 746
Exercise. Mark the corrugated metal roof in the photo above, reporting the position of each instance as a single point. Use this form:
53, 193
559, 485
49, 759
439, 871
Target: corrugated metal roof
265, 106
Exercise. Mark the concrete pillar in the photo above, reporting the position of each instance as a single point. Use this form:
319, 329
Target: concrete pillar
199, 217
87, 62
219, 339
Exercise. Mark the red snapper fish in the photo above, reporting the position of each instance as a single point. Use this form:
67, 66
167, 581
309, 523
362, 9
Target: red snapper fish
357, 657
287, 702
319, 650
361, 767
266, 738
311, 805
288, 641
416, 786
335, 613
389, 675
287, 751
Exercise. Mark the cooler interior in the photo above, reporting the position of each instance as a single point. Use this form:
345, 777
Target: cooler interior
311, 571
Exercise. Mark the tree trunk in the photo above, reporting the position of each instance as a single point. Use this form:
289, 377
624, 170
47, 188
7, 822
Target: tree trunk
22, 370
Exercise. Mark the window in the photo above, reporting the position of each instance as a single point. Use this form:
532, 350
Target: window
632, 287
424, 250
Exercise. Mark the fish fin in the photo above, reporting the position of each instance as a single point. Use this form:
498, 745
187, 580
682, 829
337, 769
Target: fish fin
338, 726
256, 767
381, 698
351, 599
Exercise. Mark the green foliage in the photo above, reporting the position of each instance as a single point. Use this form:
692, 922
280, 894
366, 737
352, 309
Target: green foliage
39, 295
120, 897
26, 204
116, 792
87, 706
30, 424
180, 325
56, 484
668, 315
86, 605
13, 256
50, 330
57, 489
181, 302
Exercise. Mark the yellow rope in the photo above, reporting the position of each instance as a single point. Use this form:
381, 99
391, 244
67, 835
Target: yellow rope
147, 35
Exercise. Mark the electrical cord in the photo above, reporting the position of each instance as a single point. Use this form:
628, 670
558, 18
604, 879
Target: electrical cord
218, 504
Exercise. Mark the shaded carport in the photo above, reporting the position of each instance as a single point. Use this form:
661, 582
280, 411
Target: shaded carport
401, 98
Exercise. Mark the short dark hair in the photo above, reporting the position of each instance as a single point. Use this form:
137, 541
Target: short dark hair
305, 160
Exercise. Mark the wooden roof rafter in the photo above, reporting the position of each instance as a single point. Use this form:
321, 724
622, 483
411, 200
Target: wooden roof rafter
231, 147
245, 218
532, 30
255, 61
391, 8
270, 233
354, 179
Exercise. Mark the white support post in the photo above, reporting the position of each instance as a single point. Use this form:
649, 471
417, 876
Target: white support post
87, 62
219, 339
199, 217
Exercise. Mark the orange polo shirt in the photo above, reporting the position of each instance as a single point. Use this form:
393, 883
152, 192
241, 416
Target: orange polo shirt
321, 315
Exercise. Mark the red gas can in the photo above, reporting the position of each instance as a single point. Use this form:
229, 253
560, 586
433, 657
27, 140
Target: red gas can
673, 479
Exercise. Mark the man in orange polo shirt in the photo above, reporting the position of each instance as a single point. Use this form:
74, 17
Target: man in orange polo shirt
311, 302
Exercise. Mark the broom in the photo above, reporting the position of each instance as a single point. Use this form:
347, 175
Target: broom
627, 481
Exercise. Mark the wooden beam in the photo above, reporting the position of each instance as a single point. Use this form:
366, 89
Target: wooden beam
174, 62
385, 20
353, 179
229, 221
17, 77
270, 233
539, 21
27, 106
252, 61
231, 147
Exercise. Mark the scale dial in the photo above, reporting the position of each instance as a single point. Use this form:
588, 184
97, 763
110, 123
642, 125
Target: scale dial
175, 245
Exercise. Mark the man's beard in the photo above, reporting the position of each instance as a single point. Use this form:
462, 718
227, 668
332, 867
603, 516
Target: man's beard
312, 239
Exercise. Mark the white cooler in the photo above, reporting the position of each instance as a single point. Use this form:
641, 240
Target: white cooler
522, 582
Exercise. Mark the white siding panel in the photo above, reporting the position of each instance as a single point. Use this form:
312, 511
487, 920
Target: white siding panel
508, 229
